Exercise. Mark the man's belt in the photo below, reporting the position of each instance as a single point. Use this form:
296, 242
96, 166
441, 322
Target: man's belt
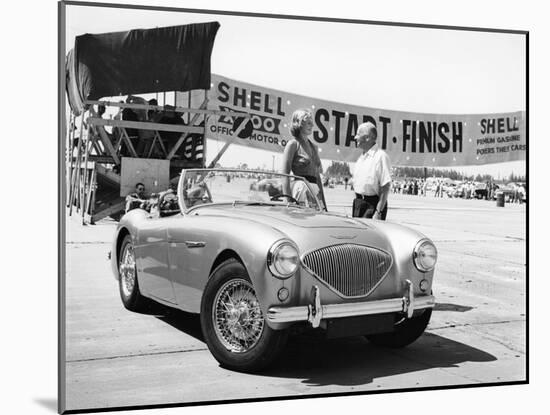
364, 197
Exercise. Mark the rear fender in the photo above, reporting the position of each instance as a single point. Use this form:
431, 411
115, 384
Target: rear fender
126, 226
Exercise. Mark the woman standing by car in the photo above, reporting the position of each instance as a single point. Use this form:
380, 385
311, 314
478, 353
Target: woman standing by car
301, 157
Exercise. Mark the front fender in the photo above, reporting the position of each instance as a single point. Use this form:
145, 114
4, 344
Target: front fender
192, 265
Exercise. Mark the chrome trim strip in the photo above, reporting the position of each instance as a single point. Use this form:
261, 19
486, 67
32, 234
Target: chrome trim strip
195, 244
315, 312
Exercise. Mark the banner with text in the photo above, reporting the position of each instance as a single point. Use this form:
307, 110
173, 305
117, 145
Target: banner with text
410, 139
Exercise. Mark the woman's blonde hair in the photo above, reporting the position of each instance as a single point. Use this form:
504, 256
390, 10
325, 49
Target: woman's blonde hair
298, 118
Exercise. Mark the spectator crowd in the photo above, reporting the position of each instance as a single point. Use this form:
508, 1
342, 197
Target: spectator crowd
433, 187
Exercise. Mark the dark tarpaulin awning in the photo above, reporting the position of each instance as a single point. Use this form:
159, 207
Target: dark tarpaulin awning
139, 61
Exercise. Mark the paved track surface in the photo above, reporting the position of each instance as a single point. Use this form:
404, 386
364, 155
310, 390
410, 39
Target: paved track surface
477, 333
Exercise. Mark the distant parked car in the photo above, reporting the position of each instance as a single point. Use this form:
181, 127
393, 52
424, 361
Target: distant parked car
508, 190
449, 189
480, 191
459, 190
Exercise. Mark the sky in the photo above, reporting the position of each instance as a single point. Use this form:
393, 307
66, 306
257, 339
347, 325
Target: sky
390, 67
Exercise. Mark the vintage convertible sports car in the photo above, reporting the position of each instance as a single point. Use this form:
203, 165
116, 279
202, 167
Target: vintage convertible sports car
255, 263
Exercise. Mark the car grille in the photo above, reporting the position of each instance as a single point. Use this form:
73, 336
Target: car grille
351, 270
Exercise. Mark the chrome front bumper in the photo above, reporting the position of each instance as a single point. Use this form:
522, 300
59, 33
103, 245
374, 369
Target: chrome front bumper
315, 311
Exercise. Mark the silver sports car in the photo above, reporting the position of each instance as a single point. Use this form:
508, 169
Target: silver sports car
255, 262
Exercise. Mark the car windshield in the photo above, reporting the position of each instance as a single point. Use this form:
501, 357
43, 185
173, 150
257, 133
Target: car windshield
209, 186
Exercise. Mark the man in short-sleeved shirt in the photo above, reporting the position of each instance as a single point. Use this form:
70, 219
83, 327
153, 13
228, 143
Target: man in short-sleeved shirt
137, 199
371, 175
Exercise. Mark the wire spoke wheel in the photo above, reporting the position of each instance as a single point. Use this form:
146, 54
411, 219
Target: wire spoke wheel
128, 270
236, 316
233, 323
128, 278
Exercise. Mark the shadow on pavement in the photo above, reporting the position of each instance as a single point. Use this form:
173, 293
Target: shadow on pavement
188, 323
355, 361
452, 307
352, 361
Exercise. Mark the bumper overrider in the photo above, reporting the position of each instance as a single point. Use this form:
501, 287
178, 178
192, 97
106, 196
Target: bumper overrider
315, 312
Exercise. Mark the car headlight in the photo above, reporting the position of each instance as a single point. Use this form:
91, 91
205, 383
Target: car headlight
283, 259
425, 255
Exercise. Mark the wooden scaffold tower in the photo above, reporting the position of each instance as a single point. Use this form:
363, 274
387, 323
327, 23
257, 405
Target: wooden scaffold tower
96, 146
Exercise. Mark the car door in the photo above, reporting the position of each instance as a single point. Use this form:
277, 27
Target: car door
152, 260
187, 257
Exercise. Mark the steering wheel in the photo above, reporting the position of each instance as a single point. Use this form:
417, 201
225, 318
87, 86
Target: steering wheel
278, 196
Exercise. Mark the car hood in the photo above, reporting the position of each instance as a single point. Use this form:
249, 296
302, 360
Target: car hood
308, 228
312, 230
282, 216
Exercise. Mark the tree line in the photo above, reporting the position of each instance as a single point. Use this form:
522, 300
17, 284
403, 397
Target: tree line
338, 170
